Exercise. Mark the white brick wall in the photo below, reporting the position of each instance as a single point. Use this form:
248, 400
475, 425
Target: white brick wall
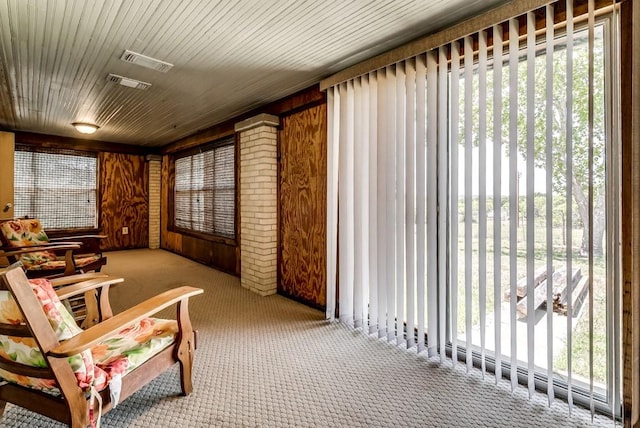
258, 208
155, 168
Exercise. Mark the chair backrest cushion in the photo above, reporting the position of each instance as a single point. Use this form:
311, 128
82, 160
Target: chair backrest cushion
27, 232
24, 350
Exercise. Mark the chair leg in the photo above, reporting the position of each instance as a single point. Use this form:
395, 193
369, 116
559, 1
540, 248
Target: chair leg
186, 347
3, 406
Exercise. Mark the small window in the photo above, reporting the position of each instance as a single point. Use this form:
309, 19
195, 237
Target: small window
56, 186
204, 198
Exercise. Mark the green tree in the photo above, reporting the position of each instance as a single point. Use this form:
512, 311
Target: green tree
579, 178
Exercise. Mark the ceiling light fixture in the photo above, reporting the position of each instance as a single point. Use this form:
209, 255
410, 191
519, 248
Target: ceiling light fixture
85, 128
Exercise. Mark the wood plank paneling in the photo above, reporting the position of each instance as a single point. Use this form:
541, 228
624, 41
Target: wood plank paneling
303, 181
123, 200
630, 225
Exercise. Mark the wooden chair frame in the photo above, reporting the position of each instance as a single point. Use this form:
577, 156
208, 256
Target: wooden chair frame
72, 406
86, 313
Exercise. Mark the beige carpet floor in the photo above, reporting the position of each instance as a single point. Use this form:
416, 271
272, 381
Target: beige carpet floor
272, 362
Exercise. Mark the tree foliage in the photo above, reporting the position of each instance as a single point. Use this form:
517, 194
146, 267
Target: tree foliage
579, 146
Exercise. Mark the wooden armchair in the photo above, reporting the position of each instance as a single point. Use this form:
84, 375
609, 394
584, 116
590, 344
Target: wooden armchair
26, 241
52, 367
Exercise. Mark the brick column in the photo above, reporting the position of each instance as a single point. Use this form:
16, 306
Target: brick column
258, 203
155, 168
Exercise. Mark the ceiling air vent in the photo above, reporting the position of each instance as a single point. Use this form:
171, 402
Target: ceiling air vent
129, 83
146, 61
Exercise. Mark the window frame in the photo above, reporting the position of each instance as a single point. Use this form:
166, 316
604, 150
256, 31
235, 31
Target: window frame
54, 150
229, 140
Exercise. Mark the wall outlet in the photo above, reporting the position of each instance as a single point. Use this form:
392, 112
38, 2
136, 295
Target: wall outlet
125, 230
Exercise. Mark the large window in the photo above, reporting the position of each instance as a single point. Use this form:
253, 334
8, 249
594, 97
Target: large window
56, 186
204, 198
473, 203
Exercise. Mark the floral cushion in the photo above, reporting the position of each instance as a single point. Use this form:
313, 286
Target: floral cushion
56, 264
27, 232
25, 351
116, 356
134, 345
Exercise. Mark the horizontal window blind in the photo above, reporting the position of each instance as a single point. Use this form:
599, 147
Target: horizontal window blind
204, 199
56, 186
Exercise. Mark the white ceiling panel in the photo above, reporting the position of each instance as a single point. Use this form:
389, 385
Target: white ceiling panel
228, 57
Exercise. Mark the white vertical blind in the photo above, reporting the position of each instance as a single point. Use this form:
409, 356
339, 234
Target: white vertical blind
497, 197
569, 196
514, 215
482, 194
373, 202
530, 219
400, 198
421, 196
463, 199
468, 180
549, 190
410, 212
443, 117
345, 203
454, 128
432, 205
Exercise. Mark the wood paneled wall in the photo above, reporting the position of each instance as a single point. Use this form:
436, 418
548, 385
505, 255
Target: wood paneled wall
303, 205
124, 200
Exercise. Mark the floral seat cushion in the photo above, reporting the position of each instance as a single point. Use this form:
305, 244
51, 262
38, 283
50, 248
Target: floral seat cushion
27, 232
96, 367
36, 262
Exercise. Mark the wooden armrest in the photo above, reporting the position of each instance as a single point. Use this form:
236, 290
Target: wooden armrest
109, 328
71, 238
72, 279
84, 286
27, 249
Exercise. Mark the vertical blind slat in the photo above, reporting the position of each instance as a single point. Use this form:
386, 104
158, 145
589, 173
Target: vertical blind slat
468, 179
390, 182
455, 214
345, 202
513, 193
482, 194
432, 232
360, 195
590, 107
373, 203
569, 197
410, 217
383, 171
333, 123
497, 198
421, 196
549, 197
531, 81
400, 202
442, 174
